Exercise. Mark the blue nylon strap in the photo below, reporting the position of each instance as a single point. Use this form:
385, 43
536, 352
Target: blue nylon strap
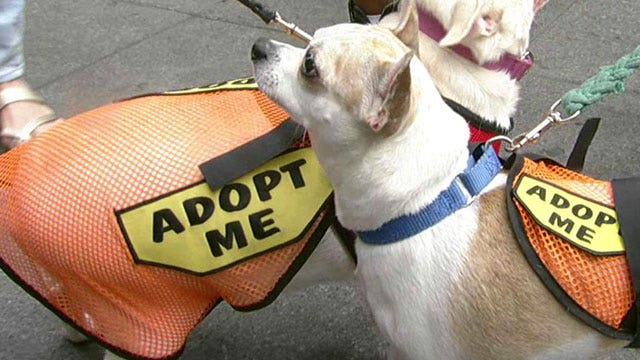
458, 195
479, 176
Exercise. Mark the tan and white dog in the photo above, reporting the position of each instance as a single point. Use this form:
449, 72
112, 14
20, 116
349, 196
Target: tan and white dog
389, 145
490, 29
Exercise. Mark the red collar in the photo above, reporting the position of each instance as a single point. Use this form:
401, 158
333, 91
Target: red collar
482, 136
515, 66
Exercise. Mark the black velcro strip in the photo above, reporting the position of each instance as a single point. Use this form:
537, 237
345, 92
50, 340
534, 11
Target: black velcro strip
221, 170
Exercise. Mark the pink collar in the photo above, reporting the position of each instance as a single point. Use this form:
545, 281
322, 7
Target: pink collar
515, 66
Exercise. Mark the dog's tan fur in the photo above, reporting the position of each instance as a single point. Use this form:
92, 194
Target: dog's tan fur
497, 282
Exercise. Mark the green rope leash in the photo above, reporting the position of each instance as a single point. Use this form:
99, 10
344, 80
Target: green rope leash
610, 80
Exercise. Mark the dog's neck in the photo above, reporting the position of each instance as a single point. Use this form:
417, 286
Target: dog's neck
491, 94
379, 179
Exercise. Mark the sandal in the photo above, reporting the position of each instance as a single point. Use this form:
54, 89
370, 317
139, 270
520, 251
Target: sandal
12, 137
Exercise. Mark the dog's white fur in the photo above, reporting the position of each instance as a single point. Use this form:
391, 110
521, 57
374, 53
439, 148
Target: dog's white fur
492, 95
490, 28
460, 289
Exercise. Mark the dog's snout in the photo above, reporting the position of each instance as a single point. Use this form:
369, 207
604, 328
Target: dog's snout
260, 49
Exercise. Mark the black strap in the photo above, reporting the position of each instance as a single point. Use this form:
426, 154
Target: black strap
579, 152
222, 169
626, 194
347, 239
476, 120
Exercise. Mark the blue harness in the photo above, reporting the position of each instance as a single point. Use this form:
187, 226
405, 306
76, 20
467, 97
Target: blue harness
481, 169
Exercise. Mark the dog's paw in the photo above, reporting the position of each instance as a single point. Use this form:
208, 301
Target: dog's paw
393, 353
74, 336
108, 355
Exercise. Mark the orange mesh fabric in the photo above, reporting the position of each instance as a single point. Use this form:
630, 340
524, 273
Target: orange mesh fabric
601, 285
61, 240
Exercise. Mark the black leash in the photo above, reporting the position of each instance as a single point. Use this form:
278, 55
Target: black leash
271, 16
267, 15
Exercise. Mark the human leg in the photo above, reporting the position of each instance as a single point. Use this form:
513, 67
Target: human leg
11, 32
21, 110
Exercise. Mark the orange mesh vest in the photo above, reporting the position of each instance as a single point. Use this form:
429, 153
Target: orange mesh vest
106, 218
568, 229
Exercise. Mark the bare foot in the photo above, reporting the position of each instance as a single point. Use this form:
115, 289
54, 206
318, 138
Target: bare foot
17, 115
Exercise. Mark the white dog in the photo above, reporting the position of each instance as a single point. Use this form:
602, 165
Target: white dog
390, 146
467, 60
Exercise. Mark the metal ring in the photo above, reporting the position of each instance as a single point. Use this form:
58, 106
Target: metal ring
560, 119
499, 138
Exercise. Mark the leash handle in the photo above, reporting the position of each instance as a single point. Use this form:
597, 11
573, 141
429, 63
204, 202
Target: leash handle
267, 15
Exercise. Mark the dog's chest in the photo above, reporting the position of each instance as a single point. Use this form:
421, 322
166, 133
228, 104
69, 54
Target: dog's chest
407, 285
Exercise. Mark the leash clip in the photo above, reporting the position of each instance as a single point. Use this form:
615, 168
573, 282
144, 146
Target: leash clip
552, 118
292, 29
501, 138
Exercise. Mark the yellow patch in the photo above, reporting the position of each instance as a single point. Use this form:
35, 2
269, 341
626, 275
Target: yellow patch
238, 84
202, 231
588, 225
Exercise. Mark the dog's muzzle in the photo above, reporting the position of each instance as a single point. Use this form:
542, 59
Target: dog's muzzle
261, 49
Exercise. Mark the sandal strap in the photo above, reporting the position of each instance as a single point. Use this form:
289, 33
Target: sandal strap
25, 133
19, 93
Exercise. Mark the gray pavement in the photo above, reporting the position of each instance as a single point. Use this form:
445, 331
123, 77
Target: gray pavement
83, 54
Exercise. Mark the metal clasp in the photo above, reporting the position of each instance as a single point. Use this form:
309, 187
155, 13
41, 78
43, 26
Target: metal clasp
552, 117
292, 29
500, 138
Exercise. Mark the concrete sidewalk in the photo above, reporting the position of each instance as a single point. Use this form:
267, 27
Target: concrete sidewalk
83, 54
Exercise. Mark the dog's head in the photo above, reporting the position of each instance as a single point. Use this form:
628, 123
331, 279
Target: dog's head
375, 117
353, 78
490, 28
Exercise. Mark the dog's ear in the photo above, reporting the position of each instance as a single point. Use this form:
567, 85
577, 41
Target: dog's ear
408, 29
393, 98
462, 22
487, 25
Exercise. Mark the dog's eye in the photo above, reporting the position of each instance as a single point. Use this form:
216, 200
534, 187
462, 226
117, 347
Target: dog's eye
308, 68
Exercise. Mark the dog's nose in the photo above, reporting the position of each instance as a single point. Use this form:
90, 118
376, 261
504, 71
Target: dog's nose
259, 49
